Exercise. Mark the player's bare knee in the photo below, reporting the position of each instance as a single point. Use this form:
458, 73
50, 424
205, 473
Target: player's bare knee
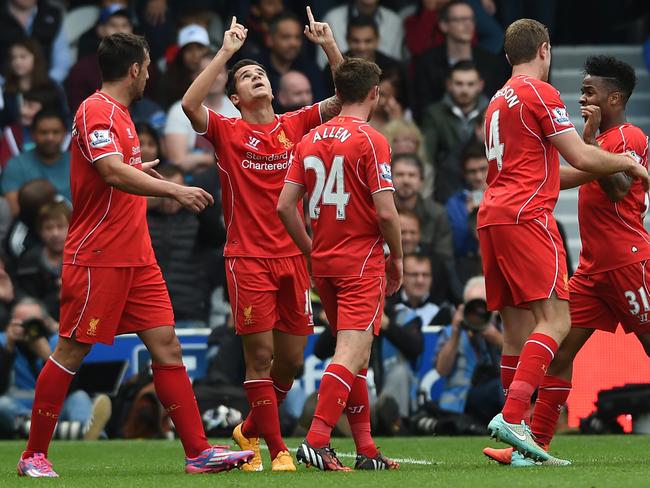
70, 353
258, 362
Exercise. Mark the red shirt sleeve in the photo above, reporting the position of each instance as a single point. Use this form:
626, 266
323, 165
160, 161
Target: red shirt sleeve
98, 132
377, 161
296, 171
549, 109
217, 127
303, 120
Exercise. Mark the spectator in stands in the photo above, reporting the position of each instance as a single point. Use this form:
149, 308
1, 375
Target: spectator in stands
363, 38
422, 28
150, 144
449, 124
294, 92
84, 77
285, 41
183, 258
46, 160
114, 17
392, 104
431, 68
262, 13
7, 295
401, 327
42, 21
38, 270
407, 178
184, 149
17, 135
194, 43
405, 137
462, 204
22, 234
468, 355
389, 23
25, 344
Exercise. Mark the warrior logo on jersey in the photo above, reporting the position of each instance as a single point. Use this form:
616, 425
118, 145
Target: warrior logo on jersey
385, 172
560, 116
100, 138
284, 140
253, 142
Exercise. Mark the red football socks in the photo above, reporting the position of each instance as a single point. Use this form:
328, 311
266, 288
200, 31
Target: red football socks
335, 387
263, 419
537, 354
175, 392
281, 390
51, 389
508, 368
358, 414
551, 397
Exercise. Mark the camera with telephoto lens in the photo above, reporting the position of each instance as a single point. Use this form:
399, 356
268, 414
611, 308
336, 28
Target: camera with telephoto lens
35, 329
476, 316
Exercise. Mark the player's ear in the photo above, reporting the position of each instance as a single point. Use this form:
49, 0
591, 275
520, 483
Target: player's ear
544, 50
134, 70
234, 98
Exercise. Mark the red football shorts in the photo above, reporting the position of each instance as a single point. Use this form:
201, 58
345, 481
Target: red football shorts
270, 294
99, 303
603, 300
523, 263
352, 303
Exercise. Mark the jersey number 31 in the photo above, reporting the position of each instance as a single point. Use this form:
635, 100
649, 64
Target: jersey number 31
329, 189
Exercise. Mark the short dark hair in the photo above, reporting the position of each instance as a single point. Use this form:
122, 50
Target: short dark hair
47, 113
51, 211
359, 21
464, 65
522, 40
419, 257
231, 84
473, 150
281, 17
618, 74
354, 78
443, 14
47, 96
410, 158
118, 52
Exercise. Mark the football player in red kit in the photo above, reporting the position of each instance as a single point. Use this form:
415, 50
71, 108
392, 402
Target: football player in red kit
344, 168
268, 283
610, 285
523, 257
111, 283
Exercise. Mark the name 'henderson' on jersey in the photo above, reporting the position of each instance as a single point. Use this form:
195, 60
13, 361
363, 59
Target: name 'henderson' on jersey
523, 174
341, 164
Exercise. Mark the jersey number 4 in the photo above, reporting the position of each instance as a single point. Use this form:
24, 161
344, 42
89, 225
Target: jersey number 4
329, 188
495, 146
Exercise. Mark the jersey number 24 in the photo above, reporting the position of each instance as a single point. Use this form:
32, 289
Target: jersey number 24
495, 146
329, 189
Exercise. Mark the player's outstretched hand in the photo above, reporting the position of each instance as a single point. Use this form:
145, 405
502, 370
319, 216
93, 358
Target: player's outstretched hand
394, 274
591, 116
638, 171
234, 37
148, 167
193, 198
318, 32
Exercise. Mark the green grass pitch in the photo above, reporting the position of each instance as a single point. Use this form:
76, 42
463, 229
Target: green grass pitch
603, 461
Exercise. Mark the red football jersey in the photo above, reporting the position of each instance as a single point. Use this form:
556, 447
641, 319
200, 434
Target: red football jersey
612, 233
523, 176
108, 226
341, 164
253, 161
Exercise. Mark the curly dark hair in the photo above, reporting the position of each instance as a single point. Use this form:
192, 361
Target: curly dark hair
618, 74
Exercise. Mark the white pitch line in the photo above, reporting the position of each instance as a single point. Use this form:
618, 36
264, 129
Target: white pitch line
423, 462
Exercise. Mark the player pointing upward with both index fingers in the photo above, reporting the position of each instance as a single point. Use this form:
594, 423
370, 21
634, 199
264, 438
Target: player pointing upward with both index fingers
523, 258
268, 284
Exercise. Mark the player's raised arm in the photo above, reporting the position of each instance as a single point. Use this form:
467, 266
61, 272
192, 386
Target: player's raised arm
192, 103
593, 160
388, 220
321, 34
131, 180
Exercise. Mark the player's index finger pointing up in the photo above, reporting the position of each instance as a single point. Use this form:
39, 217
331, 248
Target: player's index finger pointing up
234, 22
310, 17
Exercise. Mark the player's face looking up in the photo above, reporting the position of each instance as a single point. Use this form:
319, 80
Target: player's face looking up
251, 83
406, 178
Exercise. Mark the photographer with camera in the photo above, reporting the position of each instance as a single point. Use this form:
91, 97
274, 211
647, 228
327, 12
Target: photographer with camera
468, 355
25, 345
